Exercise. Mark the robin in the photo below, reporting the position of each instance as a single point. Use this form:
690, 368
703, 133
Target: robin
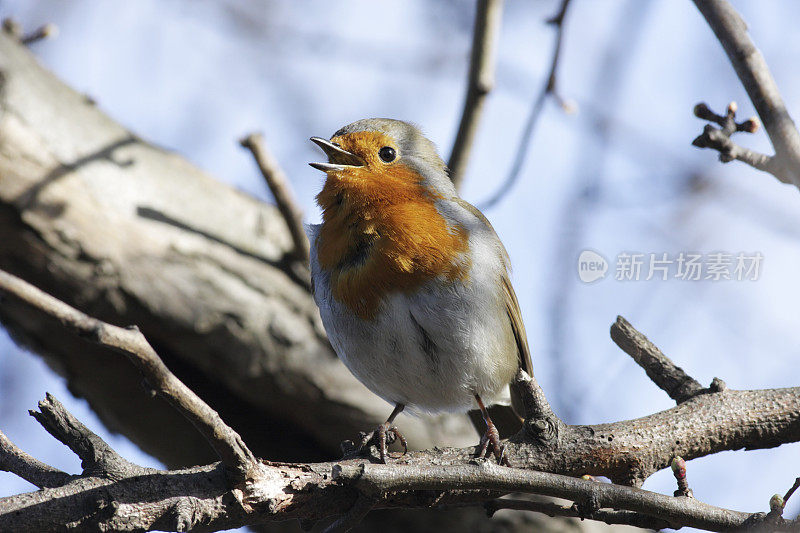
411, 281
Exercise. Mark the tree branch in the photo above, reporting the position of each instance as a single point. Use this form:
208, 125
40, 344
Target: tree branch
225, 441
32, 470
479, 84
46, 31
626, 451
752, 70
659, 368
550, 88
97, 457
381, 479
278, 184
200, 497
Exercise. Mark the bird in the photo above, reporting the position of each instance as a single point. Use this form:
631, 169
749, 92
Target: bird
412, 282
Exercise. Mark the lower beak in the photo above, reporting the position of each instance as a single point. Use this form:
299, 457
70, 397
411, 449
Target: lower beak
338, 159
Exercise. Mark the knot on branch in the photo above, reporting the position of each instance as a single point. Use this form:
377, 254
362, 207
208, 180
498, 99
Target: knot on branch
182, 515
542, 430
717, 385
541, 425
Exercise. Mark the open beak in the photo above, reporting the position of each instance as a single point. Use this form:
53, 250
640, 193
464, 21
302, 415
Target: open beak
338, 159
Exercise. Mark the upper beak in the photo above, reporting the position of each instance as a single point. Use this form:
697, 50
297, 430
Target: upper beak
338, 159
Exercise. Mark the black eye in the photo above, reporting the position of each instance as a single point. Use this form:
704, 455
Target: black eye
387, 154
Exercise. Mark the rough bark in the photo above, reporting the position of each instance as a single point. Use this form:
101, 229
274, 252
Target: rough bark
133, 234
113, 495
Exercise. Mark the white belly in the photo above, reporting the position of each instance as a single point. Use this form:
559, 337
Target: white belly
431, 351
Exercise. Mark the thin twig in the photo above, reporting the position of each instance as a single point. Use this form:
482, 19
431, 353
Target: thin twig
225, 441
32, 470
550, 88
719, 139
46, 31
659, 368
791, 490
278, 184
752, 70
627, 518
375, 480
480, 83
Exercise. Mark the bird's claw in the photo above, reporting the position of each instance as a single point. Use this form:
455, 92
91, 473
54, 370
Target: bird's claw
490, 445
382, 436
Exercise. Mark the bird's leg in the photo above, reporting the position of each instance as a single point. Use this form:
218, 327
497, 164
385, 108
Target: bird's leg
490, 442
385, 433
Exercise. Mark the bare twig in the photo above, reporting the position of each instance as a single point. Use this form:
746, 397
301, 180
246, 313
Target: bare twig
97, 457
46, 31
225, 441
381, 479
278, 184
791, 490
659, 368
719, 139
627, 518
32, 470
480, 83
550, 88
754, 74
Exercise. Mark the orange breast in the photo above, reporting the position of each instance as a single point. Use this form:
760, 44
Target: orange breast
381, 233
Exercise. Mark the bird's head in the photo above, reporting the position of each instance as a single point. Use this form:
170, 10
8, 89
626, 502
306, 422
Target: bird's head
383, 229
377, 157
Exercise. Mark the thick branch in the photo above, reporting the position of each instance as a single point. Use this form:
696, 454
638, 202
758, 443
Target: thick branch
754, 74
667, 375
32, 470
225, 441
626, 451
550, 88
200, 497
278, 184
479, 84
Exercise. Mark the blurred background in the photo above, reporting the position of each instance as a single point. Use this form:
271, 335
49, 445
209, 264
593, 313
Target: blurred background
618, 176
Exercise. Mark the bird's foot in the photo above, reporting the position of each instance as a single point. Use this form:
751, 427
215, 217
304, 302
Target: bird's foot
490, 445
381, 436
